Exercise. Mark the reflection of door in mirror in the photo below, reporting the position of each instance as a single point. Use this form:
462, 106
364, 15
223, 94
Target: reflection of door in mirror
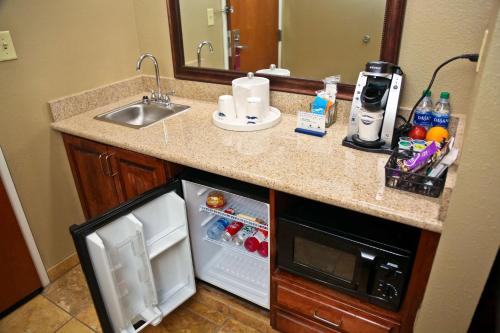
253, 27
311, 39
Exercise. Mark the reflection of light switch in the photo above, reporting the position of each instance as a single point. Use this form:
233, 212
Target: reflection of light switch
7, 51
210, 16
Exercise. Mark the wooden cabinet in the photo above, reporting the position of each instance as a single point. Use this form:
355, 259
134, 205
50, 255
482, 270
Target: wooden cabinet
287, 322
135, 173
329, 312
106, 176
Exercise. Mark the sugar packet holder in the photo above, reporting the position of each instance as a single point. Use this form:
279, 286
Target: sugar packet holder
329, 95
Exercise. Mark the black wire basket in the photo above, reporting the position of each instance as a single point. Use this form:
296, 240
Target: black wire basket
409, 181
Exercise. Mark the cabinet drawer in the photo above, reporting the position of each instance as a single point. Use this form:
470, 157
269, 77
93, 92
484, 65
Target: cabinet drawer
288, 323
329, 312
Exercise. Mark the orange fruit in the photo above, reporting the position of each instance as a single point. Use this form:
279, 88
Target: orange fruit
437, 133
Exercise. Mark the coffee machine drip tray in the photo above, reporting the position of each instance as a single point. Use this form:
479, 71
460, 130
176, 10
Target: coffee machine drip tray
369, 146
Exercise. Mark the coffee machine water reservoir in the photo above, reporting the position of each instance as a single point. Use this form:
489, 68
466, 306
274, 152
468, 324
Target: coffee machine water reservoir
374, 108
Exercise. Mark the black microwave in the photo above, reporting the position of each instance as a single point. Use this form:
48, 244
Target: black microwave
357, 254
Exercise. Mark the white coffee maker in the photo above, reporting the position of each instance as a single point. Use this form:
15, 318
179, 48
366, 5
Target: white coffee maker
374, 108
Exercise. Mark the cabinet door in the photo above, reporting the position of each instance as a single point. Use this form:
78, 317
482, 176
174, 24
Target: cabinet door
135, 173
95, 184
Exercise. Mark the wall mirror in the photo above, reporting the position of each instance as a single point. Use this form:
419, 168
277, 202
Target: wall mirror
295, 43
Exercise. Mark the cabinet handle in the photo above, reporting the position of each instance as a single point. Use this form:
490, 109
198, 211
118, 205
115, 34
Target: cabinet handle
101, 161
108, 165
325, 321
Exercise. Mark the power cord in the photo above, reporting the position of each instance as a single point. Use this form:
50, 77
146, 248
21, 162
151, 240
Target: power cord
474, 57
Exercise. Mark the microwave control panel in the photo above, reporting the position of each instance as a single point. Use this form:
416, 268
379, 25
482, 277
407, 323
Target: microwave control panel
388, 283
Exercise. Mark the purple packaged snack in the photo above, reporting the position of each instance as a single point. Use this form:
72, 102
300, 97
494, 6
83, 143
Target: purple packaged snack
419, 159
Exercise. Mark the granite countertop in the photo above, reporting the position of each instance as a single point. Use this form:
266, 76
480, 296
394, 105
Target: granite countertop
278, 158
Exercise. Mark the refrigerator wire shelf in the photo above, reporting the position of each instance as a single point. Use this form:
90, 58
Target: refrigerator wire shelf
237, 248
231, 217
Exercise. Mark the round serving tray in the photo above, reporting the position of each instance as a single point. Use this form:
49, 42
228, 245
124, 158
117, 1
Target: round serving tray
241, 125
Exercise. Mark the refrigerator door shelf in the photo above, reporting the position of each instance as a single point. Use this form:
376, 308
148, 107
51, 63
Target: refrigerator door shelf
167, 241
123, 272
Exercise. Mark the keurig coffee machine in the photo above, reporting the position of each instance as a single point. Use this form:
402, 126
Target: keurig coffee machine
374, 108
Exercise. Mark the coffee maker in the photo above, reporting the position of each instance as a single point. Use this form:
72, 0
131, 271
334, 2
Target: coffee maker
374, 108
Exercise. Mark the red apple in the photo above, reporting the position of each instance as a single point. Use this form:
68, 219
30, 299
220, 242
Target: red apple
417, 132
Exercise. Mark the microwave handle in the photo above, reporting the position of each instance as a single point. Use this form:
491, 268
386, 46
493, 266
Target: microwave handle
367, 261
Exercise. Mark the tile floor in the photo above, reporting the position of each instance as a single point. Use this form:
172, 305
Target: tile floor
65, 306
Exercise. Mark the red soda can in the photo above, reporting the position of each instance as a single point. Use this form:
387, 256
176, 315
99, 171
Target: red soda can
231, 230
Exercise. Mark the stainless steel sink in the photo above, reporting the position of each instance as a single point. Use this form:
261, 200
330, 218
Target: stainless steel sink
141, 114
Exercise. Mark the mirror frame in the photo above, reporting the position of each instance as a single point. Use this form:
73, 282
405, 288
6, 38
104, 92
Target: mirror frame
391, 39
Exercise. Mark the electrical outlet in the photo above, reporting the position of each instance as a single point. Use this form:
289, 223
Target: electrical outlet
210, 17
7, 51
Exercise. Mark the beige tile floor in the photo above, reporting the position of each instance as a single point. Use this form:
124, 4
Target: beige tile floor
65, 306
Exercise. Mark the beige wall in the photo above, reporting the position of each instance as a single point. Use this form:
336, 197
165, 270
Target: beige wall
321, 40
153, 34
471, 234
435, 30
195, 29
63, 47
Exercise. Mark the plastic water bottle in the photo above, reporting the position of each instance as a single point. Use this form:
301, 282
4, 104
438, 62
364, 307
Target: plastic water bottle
423, 112
217, 228
442, 111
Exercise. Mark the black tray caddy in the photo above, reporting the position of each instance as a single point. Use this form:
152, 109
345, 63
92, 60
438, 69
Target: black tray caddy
411, 182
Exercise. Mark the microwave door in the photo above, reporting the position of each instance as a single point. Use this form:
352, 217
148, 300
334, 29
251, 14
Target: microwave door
318, 255
137, 260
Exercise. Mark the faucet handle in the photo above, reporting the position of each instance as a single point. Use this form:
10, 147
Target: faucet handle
170, 93
154, 96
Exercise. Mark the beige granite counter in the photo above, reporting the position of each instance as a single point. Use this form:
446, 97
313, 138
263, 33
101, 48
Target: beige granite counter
277, 158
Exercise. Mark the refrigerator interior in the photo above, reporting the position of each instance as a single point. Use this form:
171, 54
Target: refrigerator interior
223, 263
142, 262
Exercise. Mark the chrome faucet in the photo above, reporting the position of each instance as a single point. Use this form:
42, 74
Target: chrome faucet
200, 47
155, 96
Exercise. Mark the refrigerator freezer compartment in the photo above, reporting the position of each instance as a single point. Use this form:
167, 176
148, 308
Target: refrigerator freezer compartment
239, 274
124, 273
173, 276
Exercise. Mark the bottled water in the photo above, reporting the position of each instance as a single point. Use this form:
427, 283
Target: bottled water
442, 111
423, 112
217, 228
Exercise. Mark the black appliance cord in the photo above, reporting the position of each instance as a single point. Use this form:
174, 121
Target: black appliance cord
474, 57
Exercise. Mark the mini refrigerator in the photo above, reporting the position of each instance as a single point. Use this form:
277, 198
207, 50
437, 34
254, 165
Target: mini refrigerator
140, 259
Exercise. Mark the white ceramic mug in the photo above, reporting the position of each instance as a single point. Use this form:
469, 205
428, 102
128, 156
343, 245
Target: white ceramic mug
254, 110
226, 107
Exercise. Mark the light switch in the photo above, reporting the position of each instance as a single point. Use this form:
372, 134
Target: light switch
7, 51
210, 16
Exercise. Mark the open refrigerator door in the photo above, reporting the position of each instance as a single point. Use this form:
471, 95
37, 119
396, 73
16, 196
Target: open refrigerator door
137, 261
